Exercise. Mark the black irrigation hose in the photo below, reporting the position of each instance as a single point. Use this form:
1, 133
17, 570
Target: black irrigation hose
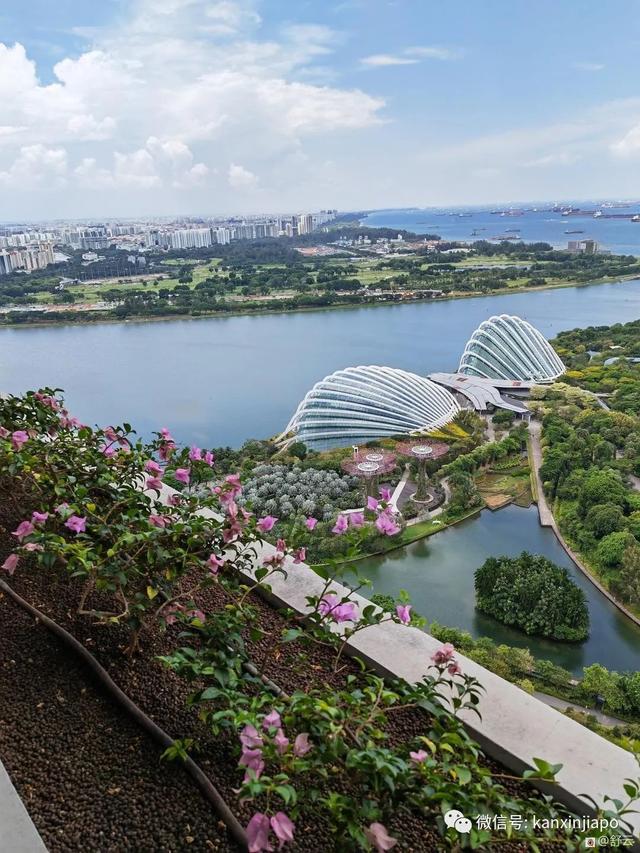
209, 791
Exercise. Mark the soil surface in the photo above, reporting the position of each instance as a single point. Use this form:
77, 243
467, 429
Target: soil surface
93, 781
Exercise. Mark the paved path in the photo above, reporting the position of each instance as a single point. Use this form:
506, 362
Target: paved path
546, 516
17, 832
561, 704
491, 430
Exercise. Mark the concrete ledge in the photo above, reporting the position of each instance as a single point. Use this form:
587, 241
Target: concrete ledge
515, 727
17, 831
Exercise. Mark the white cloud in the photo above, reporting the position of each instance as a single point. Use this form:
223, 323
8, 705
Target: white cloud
36, 166
173, 90
240, 178
411, 56
382, 60
588, 66
629, 145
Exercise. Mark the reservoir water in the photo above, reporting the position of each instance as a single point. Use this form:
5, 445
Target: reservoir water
219, 381
438, 573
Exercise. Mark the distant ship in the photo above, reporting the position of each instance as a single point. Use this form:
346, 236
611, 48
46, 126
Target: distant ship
636, 218
574, 232
511, 230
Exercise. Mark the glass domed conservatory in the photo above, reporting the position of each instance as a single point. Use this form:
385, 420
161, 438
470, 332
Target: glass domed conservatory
507, 347
354, 405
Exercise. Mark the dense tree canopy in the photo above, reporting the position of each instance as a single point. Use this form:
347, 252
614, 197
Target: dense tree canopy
533, 594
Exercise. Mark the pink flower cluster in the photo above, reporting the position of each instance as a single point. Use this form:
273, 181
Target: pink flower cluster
379, 838
196, 454
258, 831
444, 657
332, 607
253, 743
385, 521
171, 616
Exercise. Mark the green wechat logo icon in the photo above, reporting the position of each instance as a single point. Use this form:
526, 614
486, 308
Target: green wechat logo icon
456, 820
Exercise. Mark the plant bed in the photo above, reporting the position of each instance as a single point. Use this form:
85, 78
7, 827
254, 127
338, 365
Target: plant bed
158, 594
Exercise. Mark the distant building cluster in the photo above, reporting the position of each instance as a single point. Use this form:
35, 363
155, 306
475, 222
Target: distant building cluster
28, 249
584, 247
28, 258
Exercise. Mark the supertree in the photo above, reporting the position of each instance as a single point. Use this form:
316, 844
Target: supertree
422, 451
369, 464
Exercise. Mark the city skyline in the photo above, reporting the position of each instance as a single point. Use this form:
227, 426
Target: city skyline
139, 108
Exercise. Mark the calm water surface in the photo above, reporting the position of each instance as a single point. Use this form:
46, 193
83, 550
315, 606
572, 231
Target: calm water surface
438, 574
620, 236
219, 381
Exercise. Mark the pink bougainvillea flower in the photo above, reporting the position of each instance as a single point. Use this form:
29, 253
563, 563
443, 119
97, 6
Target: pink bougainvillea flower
250, 737
11, 563
378, 836
4, 432
403, 612
258, 834
330, 606
233, 484
197, 614
25, 528
299, 555
76, 523
39, 517
281, 742
252, 760
341, 525
33, 546
454, 668
166, 435
372, 503
108, 450
265, 524
283, 828
301, 745
272, 720
444, 655
152, 467
385, 494
281, 545
356, 519
18, 438
153, 483
110, 434
159, 520
195, 454
419, 756
182, 475
174, 500
165, 450
387, 525
311, 523
209, 458
215, 564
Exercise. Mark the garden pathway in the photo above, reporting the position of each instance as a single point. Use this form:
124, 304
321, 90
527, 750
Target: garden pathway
561, 704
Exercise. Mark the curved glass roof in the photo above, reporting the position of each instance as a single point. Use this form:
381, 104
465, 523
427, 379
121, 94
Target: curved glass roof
357, 404
507, 347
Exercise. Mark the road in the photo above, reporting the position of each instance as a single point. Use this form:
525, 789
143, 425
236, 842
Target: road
561, 704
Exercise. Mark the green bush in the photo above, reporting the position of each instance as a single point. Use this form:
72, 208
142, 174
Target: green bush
533, 594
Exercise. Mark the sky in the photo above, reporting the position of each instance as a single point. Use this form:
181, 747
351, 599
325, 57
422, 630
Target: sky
201, 107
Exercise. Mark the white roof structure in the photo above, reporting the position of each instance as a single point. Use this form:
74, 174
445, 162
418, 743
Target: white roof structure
485, 393
507, 347
357, 404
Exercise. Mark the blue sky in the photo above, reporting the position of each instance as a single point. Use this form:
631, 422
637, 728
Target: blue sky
132, 107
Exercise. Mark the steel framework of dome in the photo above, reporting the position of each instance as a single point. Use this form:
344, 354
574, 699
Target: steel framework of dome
507, 347
361, 403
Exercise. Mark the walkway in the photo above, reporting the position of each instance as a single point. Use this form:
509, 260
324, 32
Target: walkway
547, 520
546, 516
561, 704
